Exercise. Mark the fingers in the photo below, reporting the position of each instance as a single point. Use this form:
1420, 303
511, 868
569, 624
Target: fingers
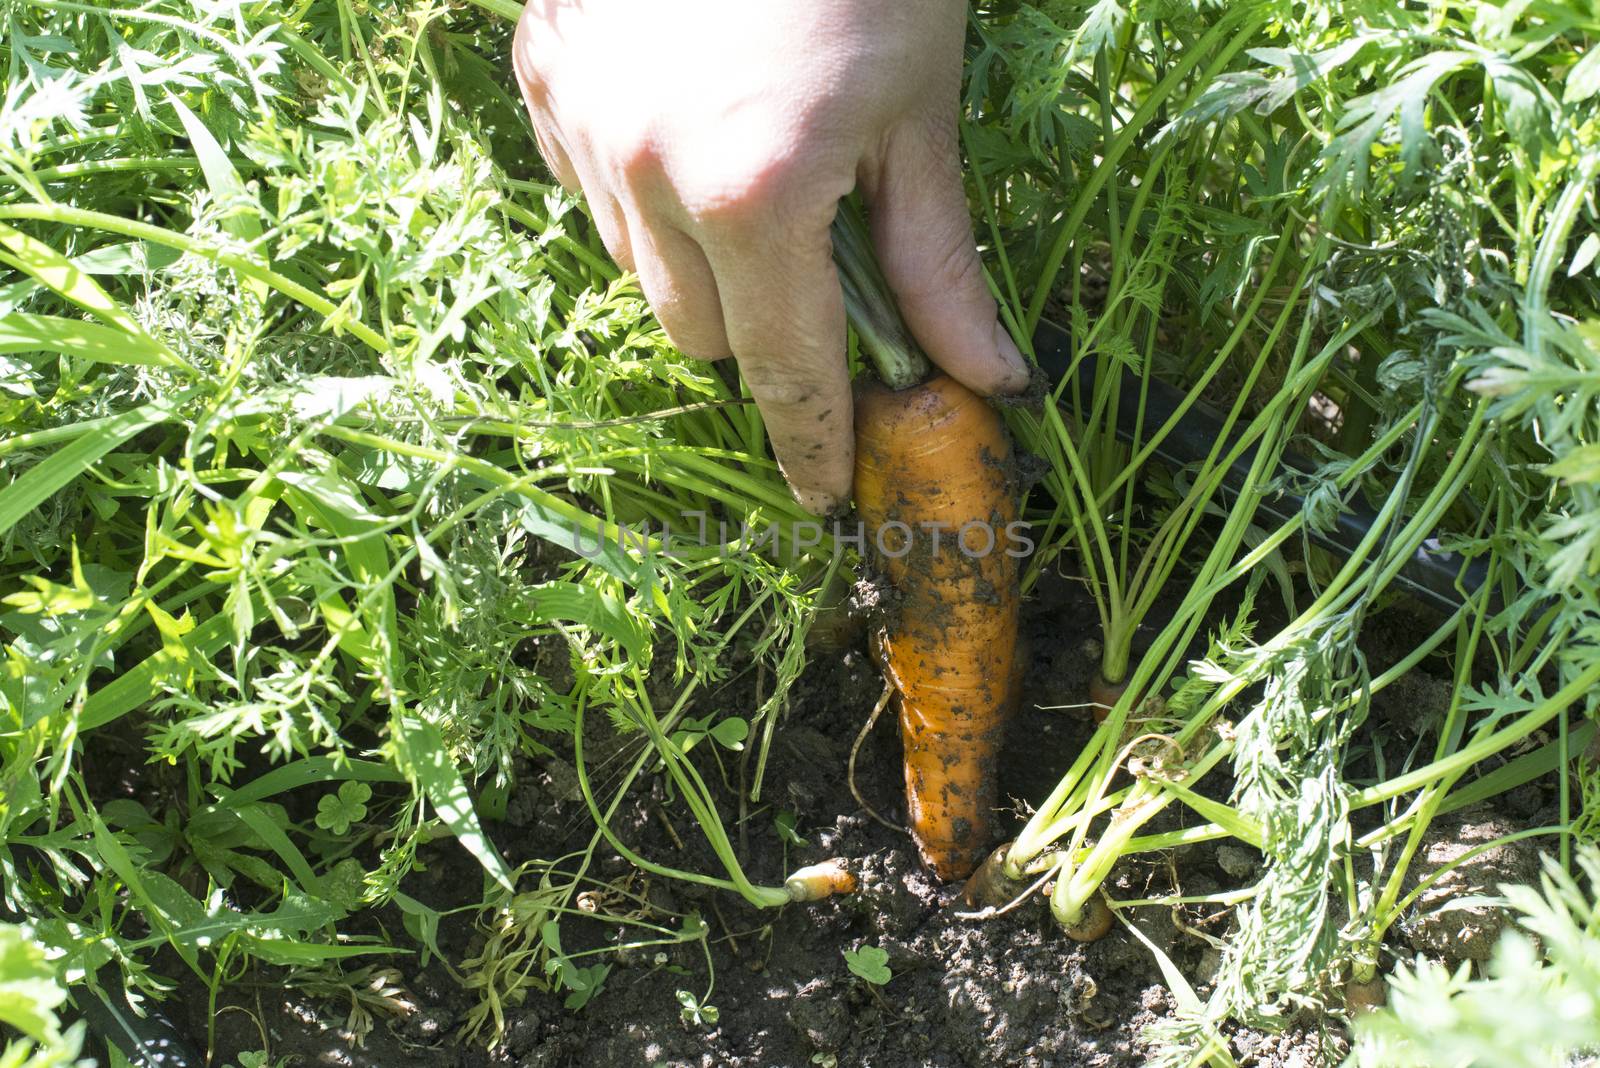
612, 223
555, 156
785, 321
535, 98
678, 283
672, 269
923, 235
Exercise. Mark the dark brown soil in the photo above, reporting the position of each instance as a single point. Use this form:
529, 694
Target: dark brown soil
1010, 991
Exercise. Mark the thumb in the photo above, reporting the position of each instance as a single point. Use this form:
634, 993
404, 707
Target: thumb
923, 236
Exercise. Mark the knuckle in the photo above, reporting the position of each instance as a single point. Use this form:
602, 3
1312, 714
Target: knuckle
731, 178
634, 159
735, 195
939, 136
781, 392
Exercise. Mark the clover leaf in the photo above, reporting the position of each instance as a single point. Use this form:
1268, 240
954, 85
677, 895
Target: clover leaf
336, 814
870, 963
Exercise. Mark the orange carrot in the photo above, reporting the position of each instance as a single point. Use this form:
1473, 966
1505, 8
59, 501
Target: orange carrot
935, 457
1103, 694
933, 464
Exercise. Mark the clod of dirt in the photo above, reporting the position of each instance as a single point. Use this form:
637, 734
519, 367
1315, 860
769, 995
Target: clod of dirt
893, 894
1437, 923
872, 598
818, 1015
1002, 1006
1032, 398
903, 956
1303, 1045
523, 1035
1029, 470
561, 780
1237, 861
1205, 973
1410, 703
428, 1025
1525, 801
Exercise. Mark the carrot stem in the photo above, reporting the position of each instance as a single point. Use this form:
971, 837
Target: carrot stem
884, 336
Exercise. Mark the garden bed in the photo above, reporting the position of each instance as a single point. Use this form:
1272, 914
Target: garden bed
1010, 990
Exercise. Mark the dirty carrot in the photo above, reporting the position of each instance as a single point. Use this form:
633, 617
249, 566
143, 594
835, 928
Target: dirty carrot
934, 490
817, 881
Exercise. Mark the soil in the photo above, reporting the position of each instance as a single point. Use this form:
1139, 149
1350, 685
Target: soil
1447, 922
1007, 991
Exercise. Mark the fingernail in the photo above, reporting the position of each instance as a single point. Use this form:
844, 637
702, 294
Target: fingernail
1018, 373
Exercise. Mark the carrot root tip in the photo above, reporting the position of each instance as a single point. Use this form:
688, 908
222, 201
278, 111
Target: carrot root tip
817, 881
1366, 997
1094, 924
1104, 694
990, 886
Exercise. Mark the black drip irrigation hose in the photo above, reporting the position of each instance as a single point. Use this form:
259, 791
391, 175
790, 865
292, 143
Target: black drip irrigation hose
150, 1040
1433, 575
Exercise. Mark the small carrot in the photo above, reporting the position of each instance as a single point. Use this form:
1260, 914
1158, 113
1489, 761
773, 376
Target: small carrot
1103, 694
1095, 924
932, 456
817, 881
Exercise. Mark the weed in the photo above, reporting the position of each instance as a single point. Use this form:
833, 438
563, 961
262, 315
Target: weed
869, 963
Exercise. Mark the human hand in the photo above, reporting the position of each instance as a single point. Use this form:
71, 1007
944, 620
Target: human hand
714, 141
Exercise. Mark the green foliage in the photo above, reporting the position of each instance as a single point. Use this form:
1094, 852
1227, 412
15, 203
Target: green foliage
869, 963
696, 1014
787, 827
1537, 1005
30, 994
315, 404
336, 812
325, 419
1382, 213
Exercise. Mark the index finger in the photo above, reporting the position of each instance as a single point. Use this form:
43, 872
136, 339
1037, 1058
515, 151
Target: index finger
784, 314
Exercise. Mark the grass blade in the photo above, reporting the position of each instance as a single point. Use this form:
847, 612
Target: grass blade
25, 332
35, 258
39, 482
226, 185
421, 754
